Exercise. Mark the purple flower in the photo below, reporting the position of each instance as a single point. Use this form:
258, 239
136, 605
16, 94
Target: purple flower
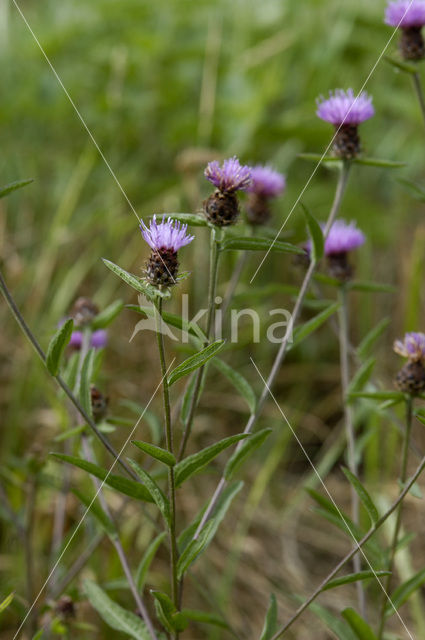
167, 235
405, 14
266, 182
343, 107
98, 340
343, 237
230, 177
412, 346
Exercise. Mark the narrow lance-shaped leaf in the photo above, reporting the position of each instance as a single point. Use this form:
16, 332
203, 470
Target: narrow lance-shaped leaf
247, 243
243, 451
358, 625
312, 325
13, 186
194, 463
363, 495
402, 65
339, 627
404, 591
371, 287
123, 485
170, 318
85, 382
172, 619
371, 337
147, 558
361, 377
270, 624
160, 499
191, 219
379, 395
108, 315
355, 577
156, 452
195, 361
114, 615
205, 618
238, 381
316, 235
57, 346
6, 602
133, 281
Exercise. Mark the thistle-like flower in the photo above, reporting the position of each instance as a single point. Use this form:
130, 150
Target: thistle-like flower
266, 184
342, 238
411, 378
409, 17
346, 112
165, 239
98, 340
222, 208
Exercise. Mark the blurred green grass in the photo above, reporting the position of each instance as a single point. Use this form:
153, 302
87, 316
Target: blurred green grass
153, 80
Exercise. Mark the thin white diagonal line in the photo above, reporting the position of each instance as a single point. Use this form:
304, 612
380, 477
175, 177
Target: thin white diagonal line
330, 497
330, 144
55, 566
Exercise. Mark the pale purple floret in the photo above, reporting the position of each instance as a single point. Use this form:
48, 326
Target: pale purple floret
167, 235
266, 182
99, 339
412, 346
343, 237
405, 14
231, 176
343, 107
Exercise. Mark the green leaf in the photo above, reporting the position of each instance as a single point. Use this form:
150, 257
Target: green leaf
379, 395
354, 577
371, 287
156, 452
377, 162
205, 618
123, 485
195, 361
247, 243
114, 615
363, 495
133, 281
108, 315
57, 346
160, 499
404, 591
361, 377
358, 625
401, 65
69, 433
13, 186
194, 463
238, 381
6, 602
316, 235
312, 325
146, 560
172, 619
371, 337
249, 446
96, 510
270, 624
339, 627
85, 382
194, 548
170, 318
191, 219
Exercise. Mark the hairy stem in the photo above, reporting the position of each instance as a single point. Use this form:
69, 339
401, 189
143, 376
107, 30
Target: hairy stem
349, 429
396, 533
341, 186
419, 92
170, 447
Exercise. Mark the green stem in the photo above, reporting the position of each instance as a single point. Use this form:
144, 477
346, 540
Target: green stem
419, 92
170, 447
349, 429
396, 533
200, 374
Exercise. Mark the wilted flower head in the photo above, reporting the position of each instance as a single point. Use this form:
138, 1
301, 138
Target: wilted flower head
405, 14
266, 182
344, 107
98, 340
343, 237
411, 347
231, 176
168, 235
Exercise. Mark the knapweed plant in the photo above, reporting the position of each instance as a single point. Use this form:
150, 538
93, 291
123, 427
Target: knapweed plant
144, 510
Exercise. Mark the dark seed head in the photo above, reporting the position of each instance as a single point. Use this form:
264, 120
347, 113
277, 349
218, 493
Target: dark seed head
339, 267
65, 607
99, 403
84, 312
411, 378
162, 268
257, 209
221, 209
347, 142
412, 46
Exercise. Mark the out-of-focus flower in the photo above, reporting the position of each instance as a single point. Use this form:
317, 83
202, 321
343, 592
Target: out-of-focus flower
411, 378
412, 346
222, 207
98, 339
84, 312
409, 17
343, 237
266, 184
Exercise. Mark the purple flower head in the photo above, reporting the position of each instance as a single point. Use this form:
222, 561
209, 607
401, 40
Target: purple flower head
412, 346
167, 235
230, 177
405, 14
99, 339
343, 237
343, 107
266, 182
